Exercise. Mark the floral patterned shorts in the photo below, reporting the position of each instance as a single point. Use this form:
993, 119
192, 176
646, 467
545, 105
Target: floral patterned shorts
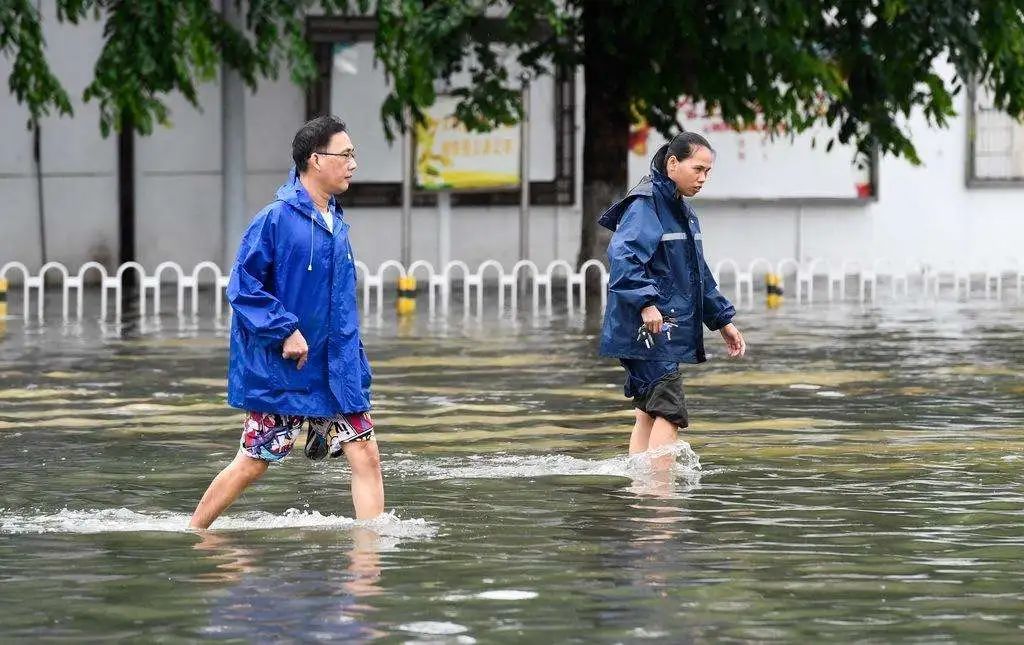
270, 437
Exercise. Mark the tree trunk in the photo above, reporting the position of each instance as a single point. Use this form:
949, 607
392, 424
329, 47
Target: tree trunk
126, 191
606, 123
126, 224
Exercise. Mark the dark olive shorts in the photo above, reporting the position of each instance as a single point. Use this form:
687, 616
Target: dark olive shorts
656, 388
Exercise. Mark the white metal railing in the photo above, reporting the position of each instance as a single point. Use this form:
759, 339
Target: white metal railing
994, 278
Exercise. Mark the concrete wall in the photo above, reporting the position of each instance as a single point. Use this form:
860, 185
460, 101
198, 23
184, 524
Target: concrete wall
79, 167
924, 213
178, 180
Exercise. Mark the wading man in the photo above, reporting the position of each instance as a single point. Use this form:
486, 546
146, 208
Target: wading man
296, 359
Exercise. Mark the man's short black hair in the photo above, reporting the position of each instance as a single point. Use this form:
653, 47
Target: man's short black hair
314, 136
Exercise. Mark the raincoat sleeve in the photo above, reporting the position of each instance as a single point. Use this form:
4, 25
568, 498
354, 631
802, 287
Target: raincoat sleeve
632, 245
257, 309
367, 373
718, 311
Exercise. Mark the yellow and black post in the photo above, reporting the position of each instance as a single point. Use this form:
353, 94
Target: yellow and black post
406, 302
774, 288
3, 305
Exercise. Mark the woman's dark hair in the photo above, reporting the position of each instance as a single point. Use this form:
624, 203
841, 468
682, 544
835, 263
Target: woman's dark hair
682, 146
313, 136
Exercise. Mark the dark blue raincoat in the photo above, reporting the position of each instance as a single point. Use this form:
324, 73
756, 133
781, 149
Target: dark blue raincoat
293, 273
656, 257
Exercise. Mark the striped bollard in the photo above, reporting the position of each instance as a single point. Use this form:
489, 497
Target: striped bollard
3, 305
774, 288
406, 302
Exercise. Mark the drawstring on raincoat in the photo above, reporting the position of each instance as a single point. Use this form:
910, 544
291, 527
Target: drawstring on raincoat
310, 267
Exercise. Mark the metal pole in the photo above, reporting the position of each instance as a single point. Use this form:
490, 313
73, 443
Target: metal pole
37, 158
126, 192
37, 163
232, 145
444, 228
407, 148
799, 235
524, 173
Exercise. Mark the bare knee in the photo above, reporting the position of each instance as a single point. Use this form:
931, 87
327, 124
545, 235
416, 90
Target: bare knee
643, 426
248, 468
363, 457
643, 418
663, 432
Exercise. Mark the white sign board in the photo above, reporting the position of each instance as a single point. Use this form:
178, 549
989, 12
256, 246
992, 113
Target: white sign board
752, 165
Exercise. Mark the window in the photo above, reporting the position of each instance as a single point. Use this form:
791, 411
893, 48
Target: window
352, 85
996, 144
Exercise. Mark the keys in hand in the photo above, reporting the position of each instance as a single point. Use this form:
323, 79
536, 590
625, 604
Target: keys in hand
644, 335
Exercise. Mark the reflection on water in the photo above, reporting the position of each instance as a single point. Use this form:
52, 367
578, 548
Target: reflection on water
256, 597
857, 478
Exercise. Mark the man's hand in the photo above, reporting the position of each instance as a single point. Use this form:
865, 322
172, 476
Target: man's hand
295, 348
652, 319
734, 340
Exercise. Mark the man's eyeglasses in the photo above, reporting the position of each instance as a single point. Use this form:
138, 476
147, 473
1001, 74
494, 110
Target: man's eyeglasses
348, 155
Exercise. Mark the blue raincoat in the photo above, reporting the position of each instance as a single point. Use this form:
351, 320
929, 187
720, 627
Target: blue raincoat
293, 273
656, 257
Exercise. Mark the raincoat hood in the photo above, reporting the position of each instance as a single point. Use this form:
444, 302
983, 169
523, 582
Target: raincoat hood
293, 193
655, 182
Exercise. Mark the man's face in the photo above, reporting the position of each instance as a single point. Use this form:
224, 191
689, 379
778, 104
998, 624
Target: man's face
690, 174
335, 165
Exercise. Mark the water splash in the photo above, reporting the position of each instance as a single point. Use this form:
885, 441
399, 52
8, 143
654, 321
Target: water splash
434, 628
119, 520
505, 466
829, 394
507, 594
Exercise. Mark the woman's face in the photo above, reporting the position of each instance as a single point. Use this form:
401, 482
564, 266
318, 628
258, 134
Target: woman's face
690, 174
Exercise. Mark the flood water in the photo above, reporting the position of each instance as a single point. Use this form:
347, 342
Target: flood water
857, 477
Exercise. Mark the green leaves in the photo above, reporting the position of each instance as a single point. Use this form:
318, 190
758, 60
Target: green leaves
31, 81
153, 48
424, 44
861, 66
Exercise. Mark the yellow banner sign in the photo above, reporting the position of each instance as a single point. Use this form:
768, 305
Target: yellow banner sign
449, 157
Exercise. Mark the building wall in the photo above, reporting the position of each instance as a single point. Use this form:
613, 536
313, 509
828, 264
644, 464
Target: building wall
922, 214
925, 213
78, 166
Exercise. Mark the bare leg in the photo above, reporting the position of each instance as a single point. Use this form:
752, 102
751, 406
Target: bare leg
225, 489
663, 433
641, 432
367, 482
